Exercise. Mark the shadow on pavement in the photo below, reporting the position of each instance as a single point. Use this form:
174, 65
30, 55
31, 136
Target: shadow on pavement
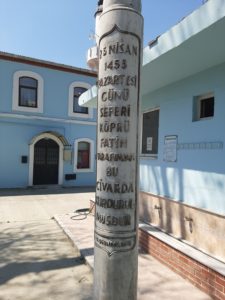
15, 269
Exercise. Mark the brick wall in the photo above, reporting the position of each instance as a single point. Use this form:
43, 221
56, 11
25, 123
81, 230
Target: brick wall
199, 275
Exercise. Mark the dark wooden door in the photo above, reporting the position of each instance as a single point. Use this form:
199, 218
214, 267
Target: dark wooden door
46, 162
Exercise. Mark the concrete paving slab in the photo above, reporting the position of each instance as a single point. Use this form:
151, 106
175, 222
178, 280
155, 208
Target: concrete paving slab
38, 204
37, 261
155, 281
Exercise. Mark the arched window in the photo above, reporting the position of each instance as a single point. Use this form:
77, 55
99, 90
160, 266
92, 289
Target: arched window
74, 109
28, 89
77, 91
84, 155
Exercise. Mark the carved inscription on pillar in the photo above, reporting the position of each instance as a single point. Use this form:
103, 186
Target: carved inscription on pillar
117, 148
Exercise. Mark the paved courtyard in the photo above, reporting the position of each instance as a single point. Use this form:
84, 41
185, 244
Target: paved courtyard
37, 261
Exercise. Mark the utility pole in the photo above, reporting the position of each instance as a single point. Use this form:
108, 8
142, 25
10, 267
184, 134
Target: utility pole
120, 30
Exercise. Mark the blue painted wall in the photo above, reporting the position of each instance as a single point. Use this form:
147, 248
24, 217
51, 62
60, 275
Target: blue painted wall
198, 176
18, 128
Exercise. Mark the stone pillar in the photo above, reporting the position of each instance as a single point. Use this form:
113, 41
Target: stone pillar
116, 216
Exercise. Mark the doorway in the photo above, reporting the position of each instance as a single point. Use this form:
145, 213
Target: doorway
46, 162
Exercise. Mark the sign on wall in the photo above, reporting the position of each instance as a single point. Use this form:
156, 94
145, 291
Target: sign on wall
149, 143
170, 148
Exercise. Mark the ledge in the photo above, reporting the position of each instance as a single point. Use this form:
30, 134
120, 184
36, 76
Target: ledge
188, 250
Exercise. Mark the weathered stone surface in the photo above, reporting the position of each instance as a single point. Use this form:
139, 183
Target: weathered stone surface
120, 49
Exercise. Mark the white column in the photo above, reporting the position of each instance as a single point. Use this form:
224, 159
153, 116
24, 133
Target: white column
116, 218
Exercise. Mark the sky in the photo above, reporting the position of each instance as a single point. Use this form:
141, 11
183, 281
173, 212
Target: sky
60, 30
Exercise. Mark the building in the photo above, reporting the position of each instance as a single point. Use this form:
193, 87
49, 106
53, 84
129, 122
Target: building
182, 167
183, 144
46, 137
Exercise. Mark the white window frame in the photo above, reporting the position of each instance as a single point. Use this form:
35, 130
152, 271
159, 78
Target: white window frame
91, 158
71, 113
40, 92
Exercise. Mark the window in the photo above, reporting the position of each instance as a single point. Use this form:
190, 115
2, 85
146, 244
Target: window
27, 92
77, 91
84, 155
207, 107
203, 107
150, 128
74, 109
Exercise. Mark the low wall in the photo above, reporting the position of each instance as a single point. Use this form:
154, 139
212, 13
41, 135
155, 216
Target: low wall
201, 270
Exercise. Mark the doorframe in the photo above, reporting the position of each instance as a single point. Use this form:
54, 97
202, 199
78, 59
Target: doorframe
31, 156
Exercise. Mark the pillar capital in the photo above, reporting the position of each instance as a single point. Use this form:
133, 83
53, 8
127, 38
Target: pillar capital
133, 4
